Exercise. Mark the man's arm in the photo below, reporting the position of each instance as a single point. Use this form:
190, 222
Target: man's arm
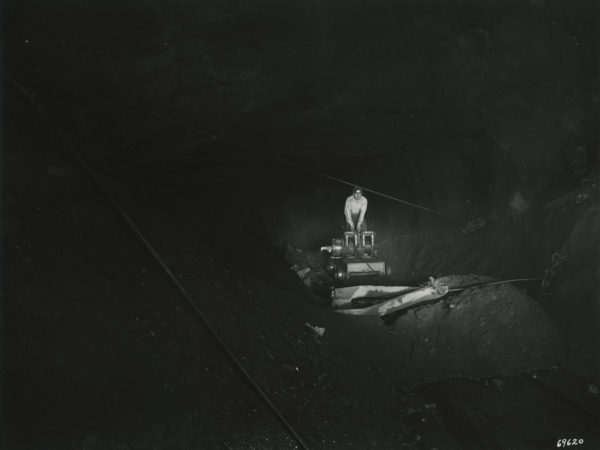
348, 213
363, 210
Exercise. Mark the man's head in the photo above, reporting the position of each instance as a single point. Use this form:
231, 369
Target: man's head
357, 192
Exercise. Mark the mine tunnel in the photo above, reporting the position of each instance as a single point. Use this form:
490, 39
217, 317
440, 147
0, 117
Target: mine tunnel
173, 170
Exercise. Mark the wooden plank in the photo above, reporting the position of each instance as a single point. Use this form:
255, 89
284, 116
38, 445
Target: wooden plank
400, 302
343, 296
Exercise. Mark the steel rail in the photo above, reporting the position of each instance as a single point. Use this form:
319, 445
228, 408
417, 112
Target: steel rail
113, 201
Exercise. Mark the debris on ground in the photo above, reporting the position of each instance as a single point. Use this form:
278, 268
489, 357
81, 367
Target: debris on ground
319, 331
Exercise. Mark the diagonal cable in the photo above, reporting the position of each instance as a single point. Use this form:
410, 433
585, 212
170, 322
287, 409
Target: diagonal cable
241, 146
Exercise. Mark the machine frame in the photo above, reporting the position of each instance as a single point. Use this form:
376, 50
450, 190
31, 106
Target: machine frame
355, 256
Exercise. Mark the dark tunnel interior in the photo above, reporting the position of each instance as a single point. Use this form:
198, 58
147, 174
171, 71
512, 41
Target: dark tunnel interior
173, 171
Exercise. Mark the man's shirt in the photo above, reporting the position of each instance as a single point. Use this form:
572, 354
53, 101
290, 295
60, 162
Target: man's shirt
354, 206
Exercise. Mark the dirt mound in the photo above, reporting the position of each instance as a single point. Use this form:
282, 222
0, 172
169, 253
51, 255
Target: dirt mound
460, 281
483, 331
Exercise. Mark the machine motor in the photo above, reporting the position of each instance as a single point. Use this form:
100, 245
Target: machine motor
354, 256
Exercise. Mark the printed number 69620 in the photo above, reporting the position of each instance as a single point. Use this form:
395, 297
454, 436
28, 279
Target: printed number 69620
568, 442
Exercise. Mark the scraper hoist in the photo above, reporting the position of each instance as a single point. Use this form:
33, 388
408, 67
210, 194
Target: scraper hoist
355, 256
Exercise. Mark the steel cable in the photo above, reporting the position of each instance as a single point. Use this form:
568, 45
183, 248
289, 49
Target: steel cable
215, 137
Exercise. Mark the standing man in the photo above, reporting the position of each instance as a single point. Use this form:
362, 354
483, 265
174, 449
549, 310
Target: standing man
355, 209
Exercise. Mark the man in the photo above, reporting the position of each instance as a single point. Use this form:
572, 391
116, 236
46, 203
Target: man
355, 209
